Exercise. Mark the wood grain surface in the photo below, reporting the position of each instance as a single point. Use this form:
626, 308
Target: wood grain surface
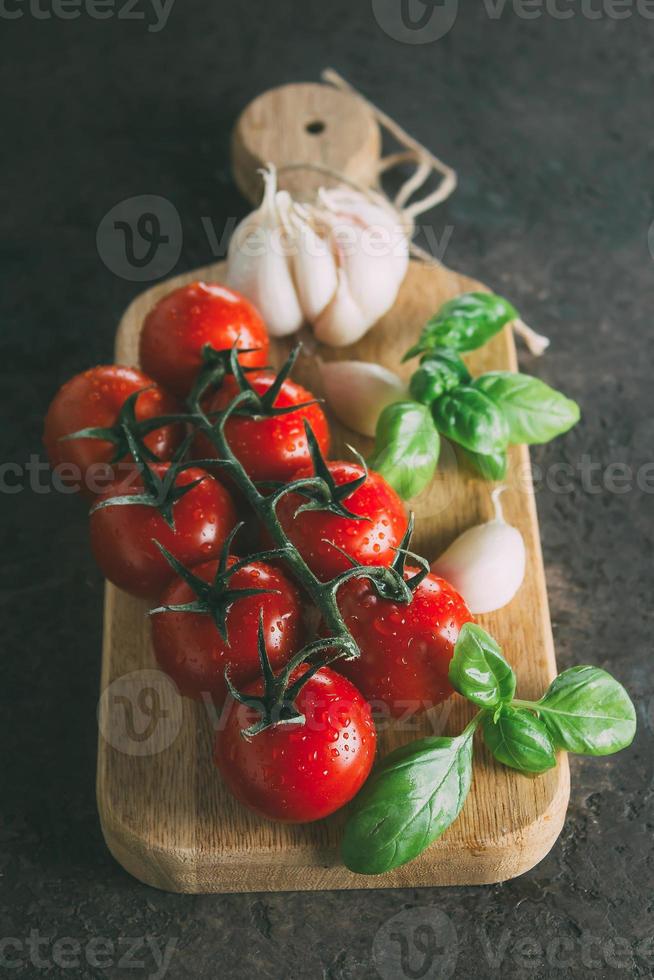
308, 123
166, 816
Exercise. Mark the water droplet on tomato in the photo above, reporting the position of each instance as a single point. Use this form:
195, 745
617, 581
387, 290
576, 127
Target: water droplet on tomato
383, 626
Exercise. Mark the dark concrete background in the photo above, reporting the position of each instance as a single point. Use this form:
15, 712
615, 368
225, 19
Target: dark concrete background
549, 124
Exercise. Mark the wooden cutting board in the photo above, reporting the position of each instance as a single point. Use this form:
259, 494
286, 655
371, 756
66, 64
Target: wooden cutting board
165, 814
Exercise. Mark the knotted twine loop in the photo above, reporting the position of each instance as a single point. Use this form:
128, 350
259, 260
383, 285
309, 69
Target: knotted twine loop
426, 164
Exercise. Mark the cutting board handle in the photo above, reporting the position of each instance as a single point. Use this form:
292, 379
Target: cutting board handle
306, 123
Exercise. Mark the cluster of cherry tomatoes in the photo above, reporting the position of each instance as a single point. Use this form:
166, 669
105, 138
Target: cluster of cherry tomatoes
294, 772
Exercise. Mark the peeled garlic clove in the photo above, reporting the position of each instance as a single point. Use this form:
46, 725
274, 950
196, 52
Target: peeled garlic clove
259, 268
314, 268
343, 321
486, 564
357, 392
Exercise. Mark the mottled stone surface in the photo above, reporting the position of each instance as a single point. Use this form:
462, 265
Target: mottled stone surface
549, 124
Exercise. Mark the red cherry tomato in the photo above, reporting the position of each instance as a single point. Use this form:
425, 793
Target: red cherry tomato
122, 537
94, 399
177, 328
370, 541
405, 649
270, 448
190, 649
299, 772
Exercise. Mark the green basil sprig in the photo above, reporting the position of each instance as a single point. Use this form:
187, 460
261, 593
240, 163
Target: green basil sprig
419, 790
464, 323
534, 412
407, 447
468, 417
481, 416
412, 798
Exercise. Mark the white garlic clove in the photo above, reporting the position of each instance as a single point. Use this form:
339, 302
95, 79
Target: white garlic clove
357, 392
486, 564
373, 276
342, 322
314, 268
258, 264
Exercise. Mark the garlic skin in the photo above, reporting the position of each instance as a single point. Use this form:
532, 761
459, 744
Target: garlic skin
357, 392
258, 267
486, 564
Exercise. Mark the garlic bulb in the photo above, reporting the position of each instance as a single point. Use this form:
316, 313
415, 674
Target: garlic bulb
486, 564
337, 264
357, 392
258, 267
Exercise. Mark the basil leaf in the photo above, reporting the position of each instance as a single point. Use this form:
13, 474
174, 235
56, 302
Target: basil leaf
464, 323
534, 412
439, 371
478, 669
449, 359
519, 740
407, 446
491, 466
588, 711
471, 419
414, 796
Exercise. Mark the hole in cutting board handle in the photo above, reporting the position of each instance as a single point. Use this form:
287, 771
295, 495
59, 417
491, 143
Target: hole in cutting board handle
315, 127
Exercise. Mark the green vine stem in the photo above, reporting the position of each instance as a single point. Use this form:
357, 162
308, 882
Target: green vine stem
389, 580
320, 491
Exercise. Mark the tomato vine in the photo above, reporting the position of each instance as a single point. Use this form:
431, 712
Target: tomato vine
321, 493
